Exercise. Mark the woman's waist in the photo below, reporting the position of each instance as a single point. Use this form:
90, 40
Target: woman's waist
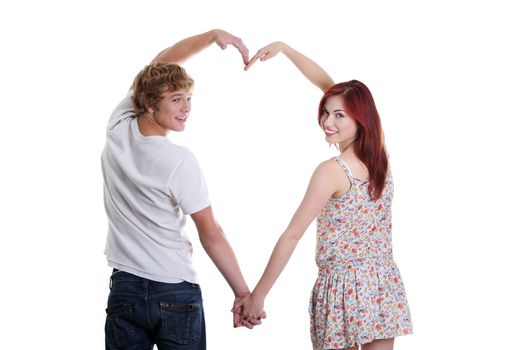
341, 264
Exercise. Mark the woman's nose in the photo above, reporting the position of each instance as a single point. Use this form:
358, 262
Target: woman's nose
328, 121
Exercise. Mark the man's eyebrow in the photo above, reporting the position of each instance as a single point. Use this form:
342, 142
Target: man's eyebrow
178, 94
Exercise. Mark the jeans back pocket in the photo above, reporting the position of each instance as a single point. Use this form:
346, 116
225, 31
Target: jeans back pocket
119, 324
181, 322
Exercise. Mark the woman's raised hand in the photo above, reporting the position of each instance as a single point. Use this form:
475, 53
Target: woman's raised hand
266, 53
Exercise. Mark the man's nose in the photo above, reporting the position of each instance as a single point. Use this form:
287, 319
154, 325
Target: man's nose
186, 107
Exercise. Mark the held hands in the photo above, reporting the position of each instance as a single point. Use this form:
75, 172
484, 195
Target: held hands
248, 311
248, 308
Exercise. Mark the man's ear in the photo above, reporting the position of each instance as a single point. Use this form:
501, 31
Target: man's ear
149, 107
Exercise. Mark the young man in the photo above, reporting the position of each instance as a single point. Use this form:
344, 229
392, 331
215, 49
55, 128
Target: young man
150, 185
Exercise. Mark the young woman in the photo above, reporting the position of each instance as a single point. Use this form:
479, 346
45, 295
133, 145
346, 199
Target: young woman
358, 298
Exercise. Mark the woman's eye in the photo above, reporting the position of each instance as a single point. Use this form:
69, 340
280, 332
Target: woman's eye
189, 99
176, 100
339, 115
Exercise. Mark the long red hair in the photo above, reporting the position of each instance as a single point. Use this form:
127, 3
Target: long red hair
369, 144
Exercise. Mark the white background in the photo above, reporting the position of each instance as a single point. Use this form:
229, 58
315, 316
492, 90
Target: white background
447, 77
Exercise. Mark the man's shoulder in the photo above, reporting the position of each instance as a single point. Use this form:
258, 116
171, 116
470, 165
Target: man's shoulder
178, 156
178, 152
123, 111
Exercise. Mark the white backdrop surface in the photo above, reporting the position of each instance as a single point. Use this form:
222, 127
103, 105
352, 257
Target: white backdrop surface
448, 82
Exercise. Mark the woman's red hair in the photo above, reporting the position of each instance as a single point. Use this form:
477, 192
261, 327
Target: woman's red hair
369, 144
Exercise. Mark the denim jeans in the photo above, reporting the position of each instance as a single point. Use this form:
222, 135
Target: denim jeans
142, 313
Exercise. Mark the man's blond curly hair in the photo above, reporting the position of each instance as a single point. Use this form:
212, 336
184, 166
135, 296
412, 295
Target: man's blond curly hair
156, 79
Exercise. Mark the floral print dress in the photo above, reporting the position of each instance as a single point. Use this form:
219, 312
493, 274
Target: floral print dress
359, 295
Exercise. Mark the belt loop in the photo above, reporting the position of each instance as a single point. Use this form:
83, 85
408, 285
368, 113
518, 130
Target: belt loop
110, 282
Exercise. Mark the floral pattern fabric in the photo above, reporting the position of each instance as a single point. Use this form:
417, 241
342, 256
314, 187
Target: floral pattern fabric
359, 294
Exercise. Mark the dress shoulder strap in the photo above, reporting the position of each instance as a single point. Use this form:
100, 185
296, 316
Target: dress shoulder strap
345, 168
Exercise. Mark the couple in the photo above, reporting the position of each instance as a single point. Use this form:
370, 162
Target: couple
151, 184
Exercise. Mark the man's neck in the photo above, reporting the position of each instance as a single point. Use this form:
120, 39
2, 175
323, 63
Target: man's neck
149, 127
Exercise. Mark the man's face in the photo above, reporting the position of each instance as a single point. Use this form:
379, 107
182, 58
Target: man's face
173, 110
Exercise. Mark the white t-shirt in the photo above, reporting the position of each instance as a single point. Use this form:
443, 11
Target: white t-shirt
150, 184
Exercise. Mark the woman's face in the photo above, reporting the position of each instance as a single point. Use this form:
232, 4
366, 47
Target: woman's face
338, 126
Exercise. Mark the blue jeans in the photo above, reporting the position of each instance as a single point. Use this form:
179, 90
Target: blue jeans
142, 313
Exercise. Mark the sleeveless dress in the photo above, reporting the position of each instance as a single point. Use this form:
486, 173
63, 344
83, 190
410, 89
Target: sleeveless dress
358, 295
